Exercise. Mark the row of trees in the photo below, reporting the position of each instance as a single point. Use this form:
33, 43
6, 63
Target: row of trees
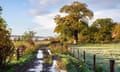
101, 31
74, 25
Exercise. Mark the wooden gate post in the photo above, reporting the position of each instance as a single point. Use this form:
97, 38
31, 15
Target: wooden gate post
73, 52
84, 56
112, 64
78, 53
17, 54
94, 63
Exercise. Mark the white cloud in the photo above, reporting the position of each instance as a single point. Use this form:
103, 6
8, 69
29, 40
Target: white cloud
44, 2
38, 12
41, 7
102, 4
46, 24
112, 13
45, 21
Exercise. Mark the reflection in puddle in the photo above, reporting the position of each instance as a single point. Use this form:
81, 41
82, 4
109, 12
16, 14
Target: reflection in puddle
40, 54
37, 68
54, 67
40, 66
39, 61
49, 52
54, 63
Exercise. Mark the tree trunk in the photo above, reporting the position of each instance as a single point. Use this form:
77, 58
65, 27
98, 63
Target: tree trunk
75, 37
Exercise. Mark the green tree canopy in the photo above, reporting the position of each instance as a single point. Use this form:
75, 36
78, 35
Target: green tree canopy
102, 29
74, 21
6, 45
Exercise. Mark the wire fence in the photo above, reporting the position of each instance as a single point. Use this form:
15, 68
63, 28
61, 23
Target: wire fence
107, 58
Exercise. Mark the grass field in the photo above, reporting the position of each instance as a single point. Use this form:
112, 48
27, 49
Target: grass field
112, 45
104, 52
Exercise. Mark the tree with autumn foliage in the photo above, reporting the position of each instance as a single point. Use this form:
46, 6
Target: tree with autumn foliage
116, 33
6, 45
75, 20
102, 30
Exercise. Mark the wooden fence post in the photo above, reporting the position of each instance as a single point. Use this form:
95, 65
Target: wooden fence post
94, 63
84, 56
112, 63
17, 54
73, 52
78, 53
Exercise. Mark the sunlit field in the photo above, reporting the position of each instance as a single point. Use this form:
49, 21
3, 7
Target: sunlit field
112, 45
104, 53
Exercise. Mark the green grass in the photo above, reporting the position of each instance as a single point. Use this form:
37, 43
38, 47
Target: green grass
104, 52
73, 65
23, 60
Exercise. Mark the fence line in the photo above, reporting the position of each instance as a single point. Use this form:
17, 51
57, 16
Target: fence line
97, 58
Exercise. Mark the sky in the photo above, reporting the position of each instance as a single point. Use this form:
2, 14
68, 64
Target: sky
37, 15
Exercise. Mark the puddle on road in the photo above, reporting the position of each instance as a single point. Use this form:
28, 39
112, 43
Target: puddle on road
40, 66
39, 62
40, 54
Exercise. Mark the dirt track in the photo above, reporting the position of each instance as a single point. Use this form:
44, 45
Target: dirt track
34, 62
